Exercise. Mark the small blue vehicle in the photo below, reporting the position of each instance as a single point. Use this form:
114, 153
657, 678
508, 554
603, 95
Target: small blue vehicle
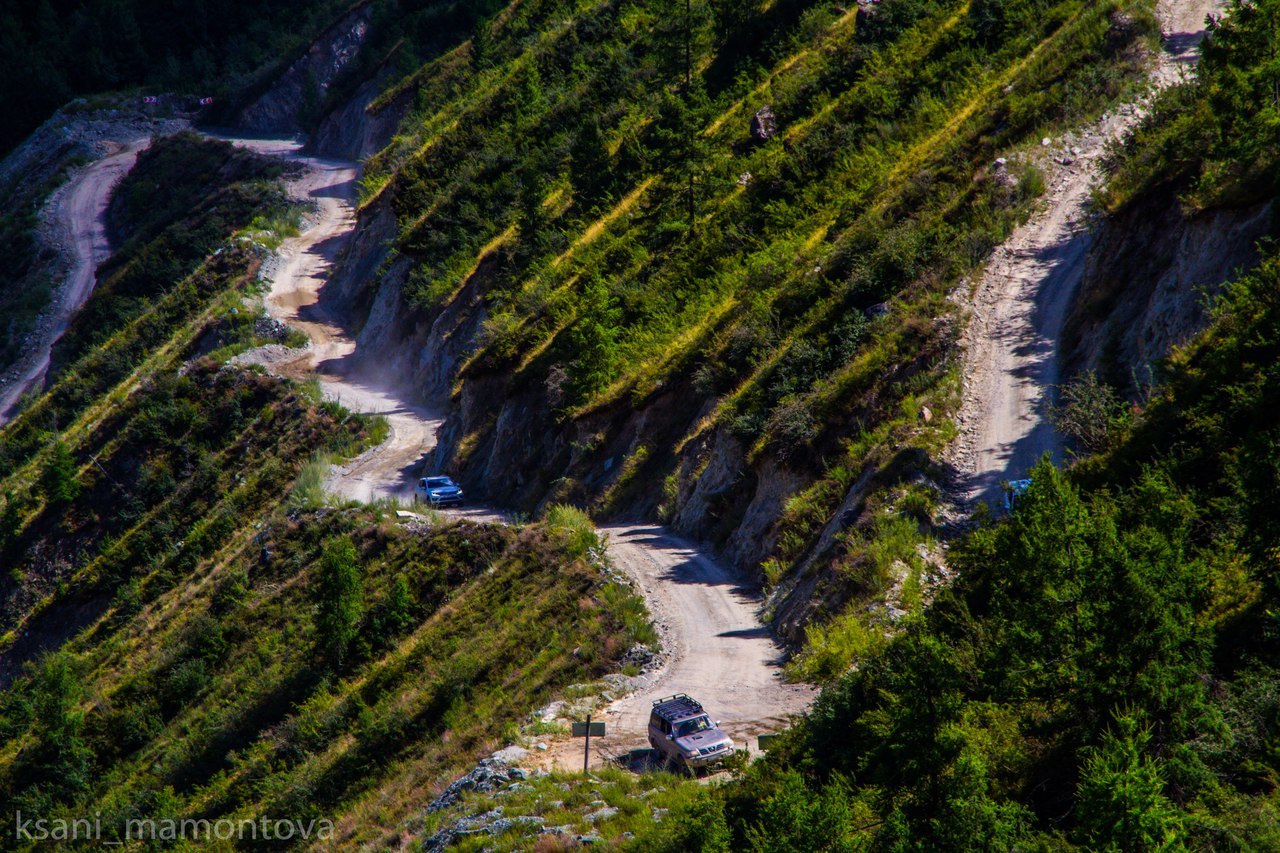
437, 491
1013, 492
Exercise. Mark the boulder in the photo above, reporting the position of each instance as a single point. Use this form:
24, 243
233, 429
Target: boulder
763, 124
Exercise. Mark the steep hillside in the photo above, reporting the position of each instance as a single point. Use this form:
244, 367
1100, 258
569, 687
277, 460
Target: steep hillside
699, 274
127, 469
1190, 203
188, 630
1102, 672
325, 669
630, 300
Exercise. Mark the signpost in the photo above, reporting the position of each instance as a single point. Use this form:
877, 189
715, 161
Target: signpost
586, 730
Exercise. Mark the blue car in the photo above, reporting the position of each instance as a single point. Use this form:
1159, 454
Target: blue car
437, 491
1013, 492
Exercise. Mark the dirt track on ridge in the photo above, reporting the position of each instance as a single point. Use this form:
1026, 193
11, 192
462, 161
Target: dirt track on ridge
77, 210
1020, 305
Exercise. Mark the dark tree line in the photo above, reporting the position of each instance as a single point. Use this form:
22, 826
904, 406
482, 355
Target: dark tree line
56, 50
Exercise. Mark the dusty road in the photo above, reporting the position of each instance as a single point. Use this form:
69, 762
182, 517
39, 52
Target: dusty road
1019, 306
305, 264
713, 641
78, 208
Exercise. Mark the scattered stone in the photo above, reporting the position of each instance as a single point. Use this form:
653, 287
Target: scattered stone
602, 814
880, 309
590, 838
1044, 143
925, 414
489, 775
549, 713
492, 823
271, 329
744, 179
1000, 162
639, 655
509, 755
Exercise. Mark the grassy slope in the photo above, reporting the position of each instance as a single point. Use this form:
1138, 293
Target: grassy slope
25, 285
217, 698
1103, 674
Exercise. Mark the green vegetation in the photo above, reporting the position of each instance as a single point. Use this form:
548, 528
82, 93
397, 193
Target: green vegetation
186, 629
235, 705
1214, 140
662, 811
25, 284
203, 636
338, 598
212, 191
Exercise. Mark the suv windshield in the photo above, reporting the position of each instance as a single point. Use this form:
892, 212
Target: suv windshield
437, 482
688, 727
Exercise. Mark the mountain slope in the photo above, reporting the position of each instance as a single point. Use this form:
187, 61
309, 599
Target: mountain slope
629, 302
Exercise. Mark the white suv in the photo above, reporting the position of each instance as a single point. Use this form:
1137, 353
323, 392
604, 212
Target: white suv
680, 730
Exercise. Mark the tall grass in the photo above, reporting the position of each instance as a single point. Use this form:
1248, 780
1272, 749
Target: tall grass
576, 529
308, 490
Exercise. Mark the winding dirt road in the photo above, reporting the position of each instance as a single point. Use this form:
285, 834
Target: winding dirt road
77, 210
714, 644
1021, 303
305, 264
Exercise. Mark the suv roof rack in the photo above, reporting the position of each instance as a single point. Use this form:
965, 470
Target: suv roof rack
677, 706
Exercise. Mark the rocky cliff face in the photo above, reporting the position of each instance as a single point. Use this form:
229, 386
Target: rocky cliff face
354, 130
291, 102
1149, 275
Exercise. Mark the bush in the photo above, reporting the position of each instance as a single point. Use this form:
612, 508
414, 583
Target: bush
340, 598
58, 480
579, 532
1090, 413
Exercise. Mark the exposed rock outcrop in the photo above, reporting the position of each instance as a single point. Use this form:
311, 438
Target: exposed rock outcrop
1150, 273
355, 130
291, 101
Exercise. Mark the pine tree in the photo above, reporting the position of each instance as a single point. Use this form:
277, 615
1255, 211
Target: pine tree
1121, 797
59, 478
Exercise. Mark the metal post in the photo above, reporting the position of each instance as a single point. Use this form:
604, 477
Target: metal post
586, 752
